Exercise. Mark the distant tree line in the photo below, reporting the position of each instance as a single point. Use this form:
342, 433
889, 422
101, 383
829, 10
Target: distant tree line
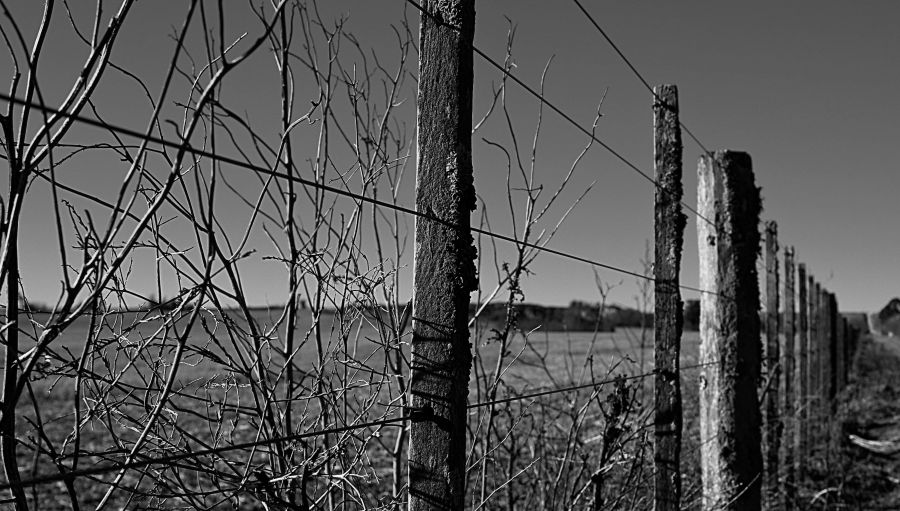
578, 316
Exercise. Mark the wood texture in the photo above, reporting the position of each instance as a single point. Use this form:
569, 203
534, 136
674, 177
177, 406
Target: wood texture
840, 352
789, 365
834, 427
803, 398
770, 396
444, 270
848, 356
819, 387
730, 345
831, 314
669, 309
815, 395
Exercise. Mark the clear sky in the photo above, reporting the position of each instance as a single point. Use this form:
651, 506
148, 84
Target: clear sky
806, 87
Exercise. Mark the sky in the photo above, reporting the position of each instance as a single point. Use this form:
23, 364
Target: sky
805, 87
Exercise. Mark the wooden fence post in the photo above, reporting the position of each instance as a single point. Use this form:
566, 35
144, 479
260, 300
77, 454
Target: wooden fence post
841, 350
771, 405
833, 360
821, 328
444, 270
821, 364
848, 351
851, 348
833, 381
730, 345
789, 436
802, 373
814, 395
669, 310
826, 356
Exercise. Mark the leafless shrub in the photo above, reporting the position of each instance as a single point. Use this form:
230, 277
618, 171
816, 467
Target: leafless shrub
153, 381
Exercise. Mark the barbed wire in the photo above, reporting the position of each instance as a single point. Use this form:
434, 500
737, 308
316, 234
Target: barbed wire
540, 97
560, 390
184, 145
162, 460
637, 73
416, 414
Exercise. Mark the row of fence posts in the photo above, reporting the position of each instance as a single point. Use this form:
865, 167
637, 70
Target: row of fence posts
766, 404
762, 405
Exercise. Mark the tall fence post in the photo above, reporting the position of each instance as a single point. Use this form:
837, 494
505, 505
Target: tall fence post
731, 460
803, 373
444, 270
772, 366
788, 357
669, 310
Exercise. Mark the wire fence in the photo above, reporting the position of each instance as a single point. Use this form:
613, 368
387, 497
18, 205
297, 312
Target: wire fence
315, 184
568, 118
199, 402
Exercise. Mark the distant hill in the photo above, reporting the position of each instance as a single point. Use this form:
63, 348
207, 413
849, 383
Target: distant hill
887, 320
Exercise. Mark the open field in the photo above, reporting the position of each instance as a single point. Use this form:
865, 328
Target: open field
215, 400
212, 404
627, 350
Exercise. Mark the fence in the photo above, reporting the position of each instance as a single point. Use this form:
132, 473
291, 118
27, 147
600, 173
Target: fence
761, 404
747, 387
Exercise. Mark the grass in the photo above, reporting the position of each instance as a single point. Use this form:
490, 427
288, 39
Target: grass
850, 479
144, 341
868, 407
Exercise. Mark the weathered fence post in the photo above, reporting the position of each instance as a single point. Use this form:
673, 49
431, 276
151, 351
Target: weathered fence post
802, 373
826, 355
789, 444
841, 350
443, 266
772, 367
848, 350
821, 364
833, 367
831, 330
731, 461
814, 394
668, 318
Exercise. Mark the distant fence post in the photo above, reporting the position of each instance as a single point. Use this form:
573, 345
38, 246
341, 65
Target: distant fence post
833, 367
772, 365
788, 357
848, 350
841, 350
669, 310
821, 363
833, 360
814, 368
731, 460
444, 270
803, 349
